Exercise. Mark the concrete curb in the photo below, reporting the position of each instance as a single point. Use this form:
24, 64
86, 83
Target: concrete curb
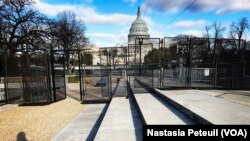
133, 99
196, 118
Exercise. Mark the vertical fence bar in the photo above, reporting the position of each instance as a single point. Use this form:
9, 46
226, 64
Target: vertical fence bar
189, 61
5, 81
215, 63
49, 77
64, 74
53, 75
243, 58
110, 76
80, 74
162, 60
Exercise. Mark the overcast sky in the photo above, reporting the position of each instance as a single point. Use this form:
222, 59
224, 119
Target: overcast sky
108, 21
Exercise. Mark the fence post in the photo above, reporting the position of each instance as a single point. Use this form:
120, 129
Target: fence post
5, 80
188, 61
126, 72
80, 74
53, 73
49, 76
110, 79
161, 63
243, 58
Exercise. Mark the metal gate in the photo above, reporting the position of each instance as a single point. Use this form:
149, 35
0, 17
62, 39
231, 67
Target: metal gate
79, 78
58, 74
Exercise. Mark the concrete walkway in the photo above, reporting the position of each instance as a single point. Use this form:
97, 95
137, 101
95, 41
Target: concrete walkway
121, 122
156, 111
83, 127
213, 109
120, 90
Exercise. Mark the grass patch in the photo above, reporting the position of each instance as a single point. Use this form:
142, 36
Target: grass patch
73, 79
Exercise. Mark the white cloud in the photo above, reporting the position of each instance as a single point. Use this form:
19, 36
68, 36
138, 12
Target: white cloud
155, 34
189, 24
106, 39
247, 36
237, 5
85, 13
89, 15
197, 33
219, 6
110, 37
51, 10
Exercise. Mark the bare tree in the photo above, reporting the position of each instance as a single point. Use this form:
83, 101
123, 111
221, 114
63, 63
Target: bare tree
218, 30
218, 33
114, 54
23, 28
69, 34
207, 37
238, 30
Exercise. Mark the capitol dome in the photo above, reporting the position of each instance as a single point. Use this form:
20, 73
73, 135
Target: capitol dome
138, 29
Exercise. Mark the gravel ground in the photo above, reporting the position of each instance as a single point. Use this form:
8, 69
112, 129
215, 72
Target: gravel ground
37, 123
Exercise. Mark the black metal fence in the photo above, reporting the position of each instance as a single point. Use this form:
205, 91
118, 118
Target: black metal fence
82, 79
38, 77
58, 85
26, 78
163, 63
97, 84
190, 62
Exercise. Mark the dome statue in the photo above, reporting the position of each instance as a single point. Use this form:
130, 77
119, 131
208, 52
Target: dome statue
138, 29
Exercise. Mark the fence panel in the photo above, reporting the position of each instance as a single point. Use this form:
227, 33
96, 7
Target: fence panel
27, 79
146, 57
97, 78
187, 62
174, 56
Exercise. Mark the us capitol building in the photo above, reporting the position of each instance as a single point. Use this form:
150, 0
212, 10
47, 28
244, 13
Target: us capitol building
135, 51
138, 34
138, 29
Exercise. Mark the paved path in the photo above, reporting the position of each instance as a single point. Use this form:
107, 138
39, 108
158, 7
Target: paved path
121, 89
237, 96
156, 111
121, 122
83, 127
213, 109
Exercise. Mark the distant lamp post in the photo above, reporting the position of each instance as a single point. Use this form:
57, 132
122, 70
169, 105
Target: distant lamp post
140, 43
84, 79
161, 63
